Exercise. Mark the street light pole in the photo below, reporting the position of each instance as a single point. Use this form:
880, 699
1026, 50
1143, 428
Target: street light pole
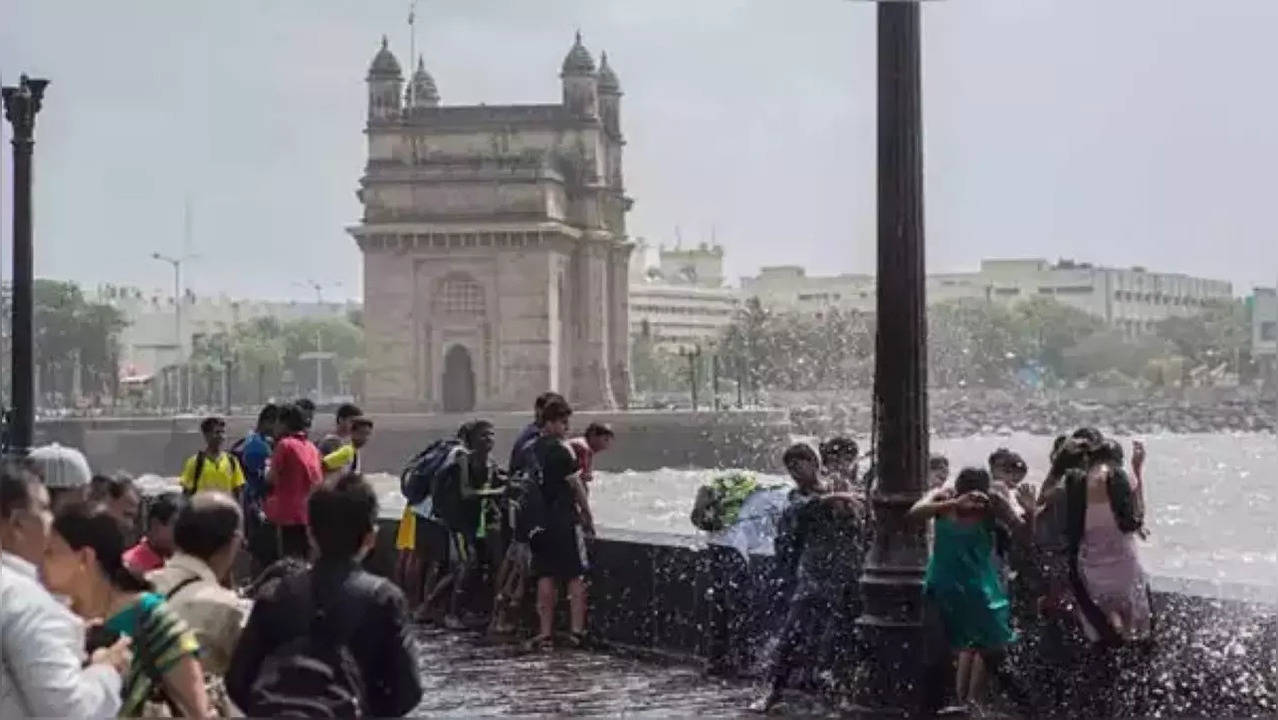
177, 321
21, 104
319, 355
891, 585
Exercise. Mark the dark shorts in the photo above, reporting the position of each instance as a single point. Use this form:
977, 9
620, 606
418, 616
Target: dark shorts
432, 541
559, 552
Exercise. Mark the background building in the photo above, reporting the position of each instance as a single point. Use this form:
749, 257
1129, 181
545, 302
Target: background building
681, 300
1132, 299
1264, 329
149, 340
494, 242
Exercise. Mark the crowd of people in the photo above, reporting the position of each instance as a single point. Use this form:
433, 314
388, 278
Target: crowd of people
115, 605
112, 614
469, 547
1034, 585
102, 618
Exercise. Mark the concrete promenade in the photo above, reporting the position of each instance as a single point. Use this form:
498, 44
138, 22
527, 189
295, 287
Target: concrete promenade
466, 676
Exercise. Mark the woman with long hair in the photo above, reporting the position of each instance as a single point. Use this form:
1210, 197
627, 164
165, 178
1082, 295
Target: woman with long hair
84, 562
1106, 516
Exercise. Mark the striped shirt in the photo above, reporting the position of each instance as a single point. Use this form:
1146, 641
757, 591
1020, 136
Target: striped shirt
160, 641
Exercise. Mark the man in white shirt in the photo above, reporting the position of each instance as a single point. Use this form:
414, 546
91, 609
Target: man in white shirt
41, 641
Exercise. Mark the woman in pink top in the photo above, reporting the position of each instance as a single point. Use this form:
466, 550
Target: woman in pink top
295, 468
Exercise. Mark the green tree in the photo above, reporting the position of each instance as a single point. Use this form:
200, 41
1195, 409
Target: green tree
1221, 333
1052, 327
71, 332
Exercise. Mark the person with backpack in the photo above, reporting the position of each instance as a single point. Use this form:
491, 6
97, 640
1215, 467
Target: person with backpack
463, 493
253, 451
212, 468
423, 539
332, 641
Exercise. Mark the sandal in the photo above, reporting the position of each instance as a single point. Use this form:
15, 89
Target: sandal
579, 640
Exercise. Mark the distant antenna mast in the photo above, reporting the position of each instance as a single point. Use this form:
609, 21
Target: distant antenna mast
186, 226
412, 47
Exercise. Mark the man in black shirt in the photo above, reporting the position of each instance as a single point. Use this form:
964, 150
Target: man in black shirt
819, 546
557, 541
336, 598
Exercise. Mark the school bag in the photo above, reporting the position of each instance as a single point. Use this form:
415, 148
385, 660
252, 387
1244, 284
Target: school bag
314, 675
419, 474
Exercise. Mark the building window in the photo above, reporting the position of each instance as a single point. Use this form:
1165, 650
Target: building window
460, 294
1269, 331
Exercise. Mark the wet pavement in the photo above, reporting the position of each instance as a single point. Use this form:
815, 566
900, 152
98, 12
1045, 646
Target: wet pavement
466, 676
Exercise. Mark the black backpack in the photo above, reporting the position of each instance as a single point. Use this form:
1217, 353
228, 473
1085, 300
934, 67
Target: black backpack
314, 675
419, 475
527, 499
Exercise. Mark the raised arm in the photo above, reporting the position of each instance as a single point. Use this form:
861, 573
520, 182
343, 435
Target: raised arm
935, 502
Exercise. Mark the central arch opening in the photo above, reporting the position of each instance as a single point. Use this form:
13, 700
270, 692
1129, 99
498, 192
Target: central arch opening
458, 381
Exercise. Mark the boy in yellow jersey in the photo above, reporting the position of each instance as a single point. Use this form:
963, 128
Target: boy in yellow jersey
346, 458
212, 468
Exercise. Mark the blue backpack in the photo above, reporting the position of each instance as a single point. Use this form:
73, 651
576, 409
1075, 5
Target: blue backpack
416, 479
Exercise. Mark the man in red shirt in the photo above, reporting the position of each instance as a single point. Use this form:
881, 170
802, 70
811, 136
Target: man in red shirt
597, 439
157, 545
295, 468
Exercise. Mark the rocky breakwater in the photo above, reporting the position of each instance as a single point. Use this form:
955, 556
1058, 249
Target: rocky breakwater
960, 416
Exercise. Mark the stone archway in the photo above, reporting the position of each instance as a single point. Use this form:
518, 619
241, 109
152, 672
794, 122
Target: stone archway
458, 381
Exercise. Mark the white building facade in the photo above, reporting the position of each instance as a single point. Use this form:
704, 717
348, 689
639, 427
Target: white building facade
1131, 299
151, 337
681, 301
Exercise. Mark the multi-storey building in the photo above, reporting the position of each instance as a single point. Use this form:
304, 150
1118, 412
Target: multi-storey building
681, 301
1132, 299
154, 336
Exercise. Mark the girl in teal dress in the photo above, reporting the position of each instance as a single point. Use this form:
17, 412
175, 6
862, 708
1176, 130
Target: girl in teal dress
963, 581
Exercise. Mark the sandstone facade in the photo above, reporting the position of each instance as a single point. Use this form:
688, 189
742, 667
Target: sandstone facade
494, 242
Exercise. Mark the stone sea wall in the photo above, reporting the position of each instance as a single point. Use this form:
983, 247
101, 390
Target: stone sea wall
648, 440
1215, 655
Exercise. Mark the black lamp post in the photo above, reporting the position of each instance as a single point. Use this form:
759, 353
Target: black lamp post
891, 585
21, 104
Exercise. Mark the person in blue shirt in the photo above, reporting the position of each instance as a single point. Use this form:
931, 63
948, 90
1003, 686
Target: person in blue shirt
254, 451
520, 452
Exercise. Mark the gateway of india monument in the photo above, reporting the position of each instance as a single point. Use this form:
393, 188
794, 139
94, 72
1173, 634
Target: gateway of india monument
494, 243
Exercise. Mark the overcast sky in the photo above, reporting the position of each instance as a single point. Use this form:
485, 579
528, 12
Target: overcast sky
1133, 132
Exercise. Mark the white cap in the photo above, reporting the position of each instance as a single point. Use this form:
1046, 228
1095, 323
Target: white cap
60, 467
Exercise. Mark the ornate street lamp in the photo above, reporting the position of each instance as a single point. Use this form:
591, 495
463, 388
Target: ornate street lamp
891, 585
21, 104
